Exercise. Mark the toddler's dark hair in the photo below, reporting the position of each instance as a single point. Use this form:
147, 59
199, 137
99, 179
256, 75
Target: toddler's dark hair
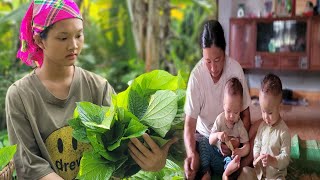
271, 84
234, 87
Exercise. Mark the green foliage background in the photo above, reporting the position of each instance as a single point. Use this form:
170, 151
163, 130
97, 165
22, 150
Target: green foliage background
109, 48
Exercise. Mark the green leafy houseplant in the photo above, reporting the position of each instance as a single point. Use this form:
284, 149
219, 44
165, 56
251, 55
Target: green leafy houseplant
152, 103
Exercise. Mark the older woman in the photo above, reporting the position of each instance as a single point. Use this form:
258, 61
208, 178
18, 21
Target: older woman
204, 100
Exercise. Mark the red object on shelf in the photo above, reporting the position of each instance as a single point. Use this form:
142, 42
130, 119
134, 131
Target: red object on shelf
308, 14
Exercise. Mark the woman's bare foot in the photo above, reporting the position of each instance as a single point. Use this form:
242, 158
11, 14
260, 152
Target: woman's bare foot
206, 176
233, 166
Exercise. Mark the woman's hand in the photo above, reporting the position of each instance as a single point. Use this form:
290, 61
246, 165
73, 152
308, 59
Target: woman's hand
153, 159
191, 165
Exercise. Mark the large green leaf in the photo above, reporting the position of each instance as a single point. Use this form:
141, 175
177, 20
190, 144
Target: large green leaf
170, 172
95, 117
92, 167
135, 129
98, 146
112, 138
89, 112
79, 131
125, 115
122, 99
178, 122
137, 104
161, 111
108, 119
156, 80
6, 154
136, 96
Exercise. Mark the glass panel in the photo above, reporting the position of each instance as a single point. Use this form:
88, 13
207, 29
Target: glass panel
282, 36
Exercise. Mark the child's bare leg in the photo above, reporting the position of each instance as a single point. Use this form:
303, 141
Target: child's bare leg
232, 167
206, 176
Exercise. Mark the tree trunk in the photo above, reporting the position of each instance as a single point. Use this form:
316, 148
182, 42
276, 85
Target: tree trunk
150, 26
138, 16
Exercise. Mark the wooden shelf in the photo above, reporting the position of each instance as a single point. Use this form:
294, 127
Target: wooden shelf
243, 45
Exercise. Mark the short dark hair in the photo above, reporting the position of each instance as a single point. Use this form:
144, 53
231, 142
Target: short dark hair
212, 33
234, 87
271, 84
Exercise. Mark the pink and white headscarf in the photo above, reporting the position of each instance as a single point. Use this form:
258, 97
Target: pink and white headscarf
40, 15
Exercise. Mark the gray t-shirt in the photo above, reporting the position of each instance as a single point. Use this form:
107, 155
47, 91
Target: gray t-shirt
38, 122
204, 98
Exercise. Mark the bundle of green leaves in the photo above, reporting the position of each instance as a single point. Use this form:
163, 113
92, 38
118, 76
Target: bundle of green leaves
153, 103
6, 151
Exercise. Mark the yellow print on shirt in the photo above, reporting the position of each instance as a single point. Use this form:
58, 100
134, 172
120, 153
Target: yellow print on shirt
65, 152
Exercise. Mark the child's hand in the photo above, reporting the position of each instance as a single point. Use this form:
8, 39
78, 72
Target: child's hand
236, 152
223, 137
268, 160
256, 161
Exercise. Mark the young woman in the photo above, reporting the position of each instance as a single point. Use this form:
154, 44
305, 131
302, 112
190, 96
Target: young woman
39, 105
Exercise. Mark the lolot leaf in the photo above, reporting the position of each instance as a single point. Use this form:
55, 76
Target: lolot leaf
93, 167
161, 111
89, 112
6, 154
135, 129
79, 131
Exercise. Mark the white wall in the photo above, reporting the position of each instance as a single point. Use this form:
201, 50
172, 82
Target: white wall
225, 10
295, 80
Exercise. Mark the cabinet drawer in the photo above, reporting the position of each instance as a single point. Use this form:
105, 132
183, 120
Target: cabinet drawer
267, 62
294, 63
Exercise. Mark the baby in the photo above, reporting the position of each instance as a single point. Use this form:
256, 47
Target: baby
228, 127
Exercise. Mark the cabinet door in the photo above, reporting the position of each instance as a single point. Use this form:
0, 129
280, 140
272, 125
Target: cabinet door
315, 44
242, 41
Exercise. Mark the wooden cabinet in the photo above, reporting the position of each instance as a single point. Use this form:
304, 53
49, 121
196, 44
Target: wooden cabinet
315, 44
266, 61
294, 62
291, 43
241, 38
